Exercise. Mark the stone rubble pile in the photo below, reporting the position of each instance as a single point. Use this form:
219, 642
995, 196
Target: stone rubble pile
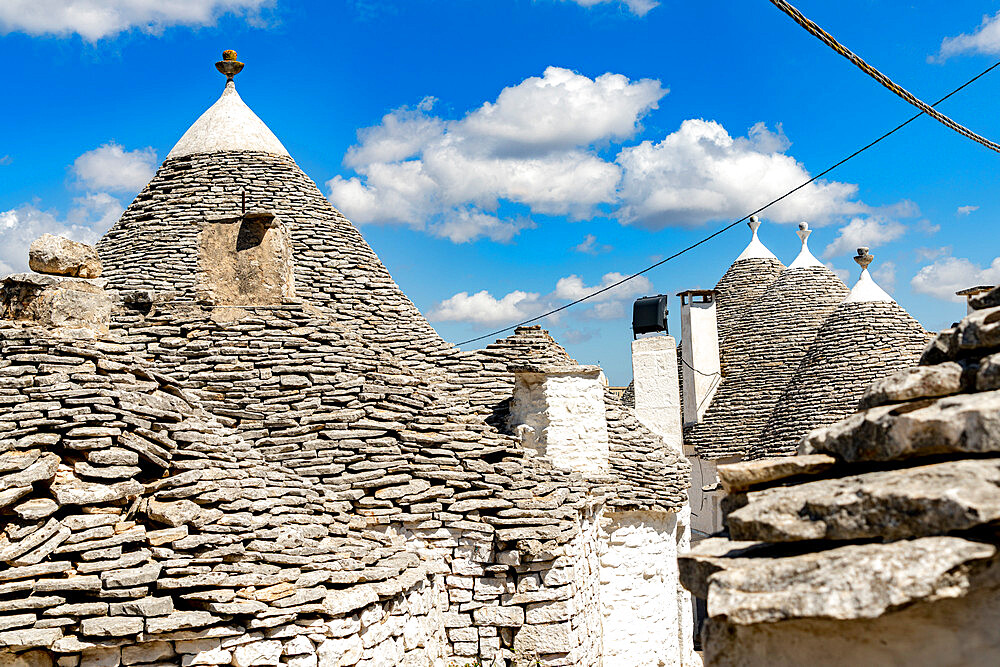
877, 544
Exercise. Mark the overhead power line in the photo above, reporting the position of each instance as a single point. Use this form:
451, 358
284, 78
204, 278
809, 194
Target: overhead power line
928, 109
732, 224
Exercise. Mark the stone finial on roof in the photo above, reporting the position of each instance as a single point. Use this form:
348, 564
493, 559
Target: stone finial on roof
755, 249
229, 65
805, 257
866, 289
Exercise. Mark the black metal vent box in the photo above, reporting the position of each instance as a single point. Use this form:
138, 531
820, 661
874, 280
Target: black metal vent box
649, 314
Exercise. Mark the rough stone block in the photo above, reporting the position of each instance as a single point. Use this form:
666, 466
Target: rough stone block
57, 255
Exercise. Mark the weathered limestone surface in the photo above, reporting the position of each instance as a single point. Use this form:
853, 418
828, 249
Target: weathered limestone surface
892, 504
961, 424
59, 256
958, 632
851, 582
55, 302
738, 477
919, 382
887, 561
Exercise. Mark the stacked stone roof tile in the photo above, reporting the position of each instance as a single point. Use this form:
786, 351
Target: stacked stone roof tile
764, 348
130, 512
861, 341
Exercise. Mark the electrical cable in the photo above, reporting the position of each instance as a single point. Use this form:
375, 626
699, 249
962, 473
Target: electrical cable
732, 224
829, 40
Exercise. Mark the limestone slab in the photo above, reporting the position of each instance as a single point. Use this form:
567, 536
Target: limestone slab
917, 382
891, 505
738, 477
962, 424
851, 582
60, 256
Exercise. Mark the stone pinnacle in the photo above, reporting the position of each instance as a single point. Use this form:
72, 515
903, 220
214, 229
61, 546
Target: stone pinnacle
864, 258
229, 65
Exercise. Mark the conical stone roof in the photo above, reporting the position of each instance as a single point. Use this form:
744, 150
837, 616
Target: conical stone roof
866, 338
861, 342
223, 157
768, 342
743, 283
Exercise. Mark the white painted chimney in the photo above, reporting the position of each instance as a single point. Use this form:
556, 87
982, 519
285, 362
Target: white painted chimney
701, 368
559, 412
654, 382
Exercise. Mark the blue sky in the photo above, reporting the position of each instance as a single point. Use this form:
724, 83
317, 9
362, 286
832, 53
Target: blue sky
505, 156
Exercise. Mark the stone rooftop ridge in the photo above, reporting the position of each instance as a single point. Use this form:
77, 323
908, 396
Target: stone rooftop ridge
763, 350
856, 527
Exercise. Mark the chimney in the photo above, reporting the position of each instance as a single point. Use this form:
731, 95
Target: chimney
654, 382
701, 369
559, 412
971, 293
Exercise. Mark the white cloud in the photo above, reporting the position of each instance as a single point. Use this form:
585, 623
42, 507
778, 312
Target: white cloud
947, 275
966, 210
572, 287
483, 308
97, 19
985, 39
885, 275
637, 7
534, 146
701, 173
540, 144
590, 246
5, 160
467, 224
931, 254
108, 167
111, 167
868, 232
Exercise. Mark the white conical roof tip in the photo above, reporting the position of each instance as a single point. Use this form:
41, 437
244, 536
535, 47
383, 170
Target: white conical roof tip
229, 124
756, 249
805, 257
866, 289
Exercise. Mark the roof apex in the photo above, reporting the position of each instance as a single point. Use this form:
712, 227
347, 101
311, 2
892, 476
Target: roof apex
805, 257
228, 125
755, 249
